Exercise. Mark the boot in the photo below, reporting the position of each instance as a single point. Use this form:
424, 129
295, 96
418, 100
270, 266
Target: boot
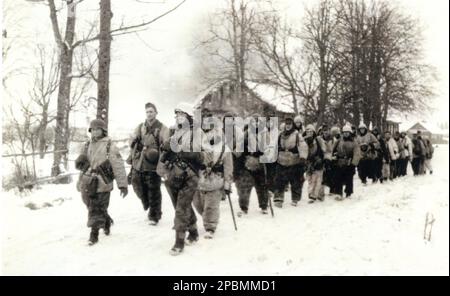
108, 224
93, 237
242, 212
209, 234
192, 237
177, 249
311, 199
278, 204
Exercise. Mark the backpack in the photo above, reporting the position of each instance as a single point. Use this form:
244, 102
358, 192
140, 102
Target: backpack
417, 149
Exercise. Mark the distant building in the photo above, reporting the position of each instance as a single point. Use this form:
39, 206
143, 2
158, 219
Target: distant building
391, 126
222, 97
428, 130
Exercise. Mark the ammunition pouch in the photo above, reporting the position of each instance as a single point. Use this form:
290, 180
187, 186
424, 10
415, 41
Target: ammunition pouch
89, 185
177, 174
105, 171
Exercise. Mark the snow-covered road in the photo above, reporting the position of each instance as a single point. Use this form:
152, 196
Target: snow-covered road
378, 232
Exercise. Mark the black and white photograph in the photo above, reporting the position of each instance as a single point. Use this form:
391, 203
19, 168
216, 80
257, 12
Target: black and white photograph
222, 138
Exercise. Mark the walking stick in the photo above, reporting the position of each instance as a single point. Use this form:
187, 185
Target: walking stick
267, 191
232, 212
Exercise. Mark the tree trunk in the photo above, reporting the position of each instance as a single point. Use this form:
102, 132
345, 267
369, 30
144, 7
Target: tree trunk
65, 80
323, 88
42, 130
61, 139
104, 60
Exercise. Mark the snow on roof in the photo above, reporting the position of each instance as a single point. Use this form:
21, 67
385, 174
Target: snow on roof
198, 101
431, 127
272, 95
280, 99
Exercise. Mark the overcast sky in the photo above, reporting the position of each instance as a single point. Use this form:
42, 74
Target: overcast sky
156, 65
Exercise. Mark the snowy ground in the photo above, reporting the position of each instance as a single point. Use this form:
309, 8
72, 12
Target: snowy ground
378, 232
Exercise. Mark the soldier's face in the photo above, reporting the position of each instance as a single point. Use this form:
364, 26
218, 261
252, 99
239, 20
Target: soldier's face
298, 123
150, 113
309, 133
326, 133
96, 132
180, 117
288, 126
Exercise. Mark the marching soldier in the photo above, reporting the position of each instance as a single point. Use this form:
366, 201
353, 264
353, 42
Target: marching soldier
347, 155
314, 172
292, 154
368, 144
180, 168
249, 172
144, 157
100, 163
215, 178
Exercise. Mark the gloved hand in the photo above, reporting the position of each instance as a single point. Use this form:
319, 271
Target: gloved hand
82, 163
227, 188
318, 164
166, 145
129, 176
327, 163
302, 161
123, 191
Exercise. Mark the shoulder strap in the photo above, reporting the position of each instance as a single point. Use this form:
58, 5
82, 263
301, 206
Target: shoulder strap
108, 148
86, 146
319, 148
336, 145
221, 154
156, 132
141, 125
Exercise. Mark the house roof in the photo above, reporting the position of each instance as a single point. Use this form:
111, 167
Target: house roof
201, 96
274, 96
426, 125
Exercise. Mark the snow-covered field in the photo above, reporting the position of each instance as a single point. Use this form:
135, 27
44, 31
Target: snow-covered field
378, 232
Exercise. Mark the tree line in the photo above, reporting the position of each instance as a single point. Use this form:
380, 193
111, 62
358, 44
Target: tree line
340, 61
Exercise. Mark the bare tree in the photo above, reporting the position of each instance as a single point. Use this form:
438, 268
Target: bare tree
226, 48
284, 64
318, 35
105, 37
21, 139
66, 49
381, 62
12, 38
45, 84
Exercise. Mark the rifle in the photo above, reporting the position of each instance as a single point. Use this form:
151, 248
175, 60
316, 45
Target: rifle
232, 211
267, 191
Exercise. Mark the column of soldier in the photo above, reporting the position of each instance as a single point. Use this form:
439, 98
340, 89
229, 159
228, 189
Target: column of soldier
324, 157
